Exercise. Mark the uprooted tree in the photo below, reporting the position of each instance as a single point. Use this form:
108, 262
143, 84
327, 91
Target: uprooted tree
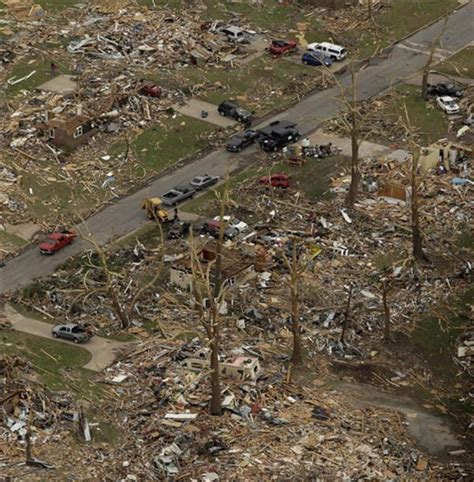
209, 292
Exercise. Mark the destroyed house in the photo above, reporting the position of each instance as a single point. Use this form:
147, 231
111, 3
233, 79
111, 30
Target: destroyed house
70, 132
236, 267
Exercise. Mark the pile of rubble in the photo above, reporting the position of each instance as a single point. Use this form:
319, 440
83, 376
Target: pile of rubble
270, 428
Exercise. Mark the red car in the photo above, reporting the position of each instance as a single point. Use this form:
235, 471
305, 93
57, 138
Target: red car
151, 90
56, 241
276, 180
281, 47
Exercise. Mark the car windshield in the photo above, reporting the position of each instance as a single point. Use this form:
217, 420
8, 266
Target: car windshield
50, 241
198, 180
170, 194
450, 103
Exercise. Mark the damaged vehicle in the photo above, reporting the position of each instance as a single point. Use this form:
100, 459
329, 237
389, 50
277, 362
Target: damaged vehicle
204, 181
448, 105
71, 331
213, 227
234, 34
316, 59
242, 140
276, 180
277, 135
179, 229
57, 241
151, 90
177, 195
228, 108
281, 47
443, 89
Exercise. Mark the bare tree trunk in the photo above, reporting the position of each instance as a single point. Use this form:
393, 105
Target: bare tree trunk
297, 353
415, 214
386, 311
369, 9
346, 315
216, 404
354, 129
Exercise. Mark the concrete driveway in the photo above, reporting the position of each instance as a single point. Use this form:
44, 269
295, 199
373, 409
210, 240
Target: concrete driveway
194, 107
103, 351
124, 216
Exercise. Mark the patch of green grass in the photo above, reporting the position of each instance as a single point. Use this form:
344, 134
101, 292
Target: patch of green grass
313, 179
10, 242
41, 65
49, 358
263, 85
29, 313
459, 65
270, 14
431, 123
164, 144
402, 18
436, 334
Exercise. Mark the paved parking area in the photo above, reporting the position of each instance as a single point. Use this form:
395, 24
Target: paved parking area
194, 107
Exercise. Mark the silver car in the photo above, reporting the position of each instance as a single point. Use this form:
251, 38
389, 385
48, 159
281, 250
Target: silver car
72, 332
201, 182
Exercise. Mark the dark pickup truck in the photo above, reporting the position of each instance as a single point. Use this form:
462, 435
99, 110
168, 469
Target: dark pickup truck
277, 135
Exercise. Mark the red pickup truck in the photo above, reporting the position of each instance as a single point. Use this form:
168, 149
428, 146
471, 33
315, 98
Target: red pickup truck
56, 241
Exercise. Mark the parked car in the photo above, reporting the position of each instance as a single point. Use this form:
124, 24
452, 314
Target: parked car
336, 52
316, 58
201, 182
234, 34
241, 140
277, 135
447, 104
227, 108
234, 223
281, 47
177, 195
443, 89
56, 241
276, 180
212, 228
71, 331
151, 90
179, 229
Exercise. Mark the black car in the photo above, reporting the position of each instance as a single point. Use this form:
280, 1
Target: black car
231, 109
443, 89
277, 135
242, 139
179, 229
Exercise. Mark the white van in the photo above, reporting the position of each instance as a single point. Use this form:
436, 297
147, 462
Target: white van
335, 52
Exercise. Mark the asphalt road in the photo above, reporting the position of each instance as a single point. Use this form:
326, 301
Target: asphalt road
124, 216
